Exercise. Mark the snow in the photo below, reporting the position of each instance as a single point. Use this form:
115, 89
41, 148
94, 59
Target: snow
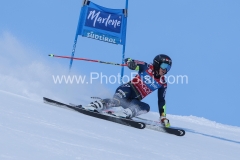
30, 129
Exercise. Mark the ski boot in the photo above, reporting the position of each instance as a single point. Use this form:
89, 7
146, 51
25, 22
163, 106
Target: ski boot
99, 105
96, 106
123, 113
164, 121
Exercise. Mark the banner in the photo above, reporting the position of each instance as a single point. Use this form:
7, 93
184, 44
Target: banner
104, 24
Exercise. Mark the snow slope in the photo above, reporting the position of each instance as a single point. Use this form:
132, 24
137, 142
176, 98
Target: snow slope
30, 129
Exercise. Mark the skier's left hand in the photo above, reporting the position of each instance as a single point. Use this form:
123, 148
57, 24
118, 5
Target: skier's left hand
165, 122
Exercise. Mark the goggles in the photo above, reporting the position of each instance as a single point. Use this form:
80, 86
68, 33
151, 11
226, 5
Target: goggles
165, 66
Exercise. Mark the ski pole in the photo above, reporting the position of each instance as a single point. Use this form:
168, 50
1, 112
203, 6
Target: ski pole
85, 59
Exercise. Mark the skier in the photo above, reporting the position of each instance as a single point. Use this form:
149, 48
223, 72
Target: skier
127, 98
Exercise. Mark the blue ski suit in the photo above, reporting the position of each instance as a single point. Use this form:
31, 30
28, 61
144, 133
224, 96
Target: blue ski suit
129, 95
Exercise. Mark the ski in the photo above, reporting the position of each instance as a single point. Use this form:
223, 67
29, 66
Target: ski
157, 126
127, 122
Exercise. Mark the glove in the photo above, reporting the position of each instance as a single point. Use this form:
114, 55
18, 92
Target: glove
131, 64
165, 122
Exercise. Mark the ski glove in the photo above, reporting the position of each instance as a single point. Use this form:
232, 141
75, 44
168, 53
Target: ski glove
165, 122
131, 64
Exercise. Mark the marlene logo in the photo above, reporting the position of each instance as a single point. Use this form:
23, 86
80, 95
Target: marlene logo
104, 21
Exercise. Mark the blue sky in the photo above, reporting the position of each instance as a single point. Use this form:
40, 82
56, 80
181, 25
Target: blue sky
202, 38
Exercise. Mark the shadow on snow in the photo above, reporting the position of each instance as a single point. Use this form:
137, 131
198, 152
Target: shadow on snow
207, 135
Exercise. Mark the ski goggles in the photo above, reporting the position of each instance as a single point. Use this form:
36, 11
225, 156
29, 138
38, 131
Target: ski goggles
165, 66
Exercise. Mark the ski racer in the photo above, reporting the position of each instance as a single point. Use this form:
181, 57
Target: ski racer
127, 97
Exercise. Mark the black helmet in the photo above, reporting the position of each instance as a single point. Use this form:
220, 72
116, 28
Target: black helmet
162, 61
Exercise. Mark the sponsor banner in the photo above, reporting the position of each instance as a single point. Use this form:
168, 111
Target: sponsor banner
104, 24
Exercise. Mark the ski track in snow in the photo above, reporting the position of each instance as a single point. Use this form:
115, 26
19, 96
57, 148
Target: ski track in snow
34, 130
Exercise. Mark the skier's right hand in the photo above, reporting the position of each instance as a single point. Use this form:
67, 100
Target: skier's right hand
131, 64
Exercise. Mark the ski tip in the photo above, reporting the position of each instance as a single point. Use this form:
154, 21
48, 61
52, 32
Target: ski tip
142, 125
177, 132
51, 55
181, 132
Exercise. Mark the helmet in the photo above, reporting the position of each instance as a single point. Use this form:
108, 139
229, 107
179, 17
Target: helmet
162, 61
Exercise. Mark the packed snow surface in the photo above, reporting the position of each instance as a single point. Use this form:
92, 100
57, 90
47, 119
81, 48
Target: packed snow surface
31, 129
